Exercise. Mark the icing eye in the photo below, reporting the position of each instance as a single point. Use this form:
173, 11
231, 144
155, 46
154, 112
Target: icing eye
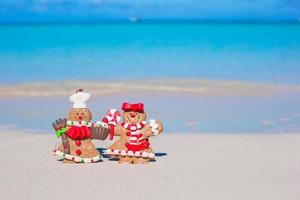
77, 113
82, 113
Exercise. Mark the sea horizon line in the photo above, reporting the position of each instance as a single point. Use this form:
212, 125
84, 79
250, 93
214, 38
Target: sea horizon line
148, 22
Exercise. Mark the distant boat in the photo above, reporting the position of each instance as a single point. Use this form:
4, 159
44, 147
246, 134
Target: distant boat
134, 19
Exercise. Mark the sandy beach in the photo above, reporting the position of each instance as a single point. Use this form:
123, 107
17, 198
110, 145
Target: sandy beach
189, 166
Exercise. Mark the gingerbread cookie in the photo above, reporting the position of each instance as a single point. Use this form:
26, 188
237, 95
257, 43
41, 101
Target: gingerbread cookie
77, 132
133, 146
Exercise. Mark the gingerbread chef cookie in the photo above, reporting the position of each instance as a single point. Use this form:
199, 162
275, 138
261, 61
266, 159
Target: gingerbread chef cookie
133, 146
77, 132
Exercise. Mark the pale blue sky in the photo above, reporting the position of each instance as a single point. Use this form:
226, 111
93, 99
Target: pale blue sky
57, 10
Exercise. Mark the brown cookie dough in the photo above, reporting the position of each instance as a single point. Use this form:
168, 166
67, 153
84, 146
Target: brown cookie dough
133, 145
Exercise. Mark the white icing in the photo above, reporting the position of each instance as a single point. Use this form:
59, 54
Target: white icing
130, 153
79, 99
155, 125
76, 158
123, 153
76, 123
151, 155
101, 124
137, 154
144, 154
116, 152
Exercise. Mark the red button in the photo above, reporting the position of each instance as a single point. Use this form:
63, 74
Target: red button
77, 142
128, 133
78, 152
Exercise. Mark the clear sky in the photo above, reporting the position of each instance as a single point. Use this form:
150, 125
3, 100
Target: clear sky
86, 10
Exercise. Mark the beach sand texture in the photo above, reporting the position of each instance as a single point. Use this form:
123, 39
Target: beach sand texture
189, 166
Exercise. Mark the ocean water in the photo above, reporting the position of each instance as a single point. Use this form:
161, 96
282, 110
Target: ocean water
251, 52
256, 53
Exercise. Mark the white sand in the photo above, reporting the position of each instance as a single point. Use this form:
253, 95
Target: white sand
217, 167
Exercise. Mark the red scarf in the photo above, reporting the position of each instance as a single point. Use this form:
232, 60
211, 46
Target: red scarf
79, 133
132, 127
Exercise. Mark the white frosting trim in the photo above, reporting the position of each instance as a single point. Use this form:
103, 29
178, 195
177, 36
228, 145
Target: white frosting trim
76, 159
101, 124
154, 126
87, 124
137, 154
78, 124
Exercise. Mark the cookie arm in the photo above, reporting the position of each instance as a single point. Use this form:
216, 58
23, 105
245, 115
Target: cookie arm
151, 130
65, 143
117, 130
57, 125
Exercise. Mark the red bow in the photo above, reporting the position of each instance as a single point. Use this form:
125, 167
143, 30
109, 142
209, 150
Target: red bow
138, 107
79, 133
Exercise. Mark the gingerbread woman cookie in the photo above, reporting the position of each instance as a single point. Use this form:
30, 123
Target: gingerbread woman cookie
77, 133
133, 146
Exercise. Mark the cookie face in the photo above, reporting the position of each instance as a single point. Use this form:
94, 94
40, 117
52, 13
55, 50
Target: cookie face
80, 114
134, 117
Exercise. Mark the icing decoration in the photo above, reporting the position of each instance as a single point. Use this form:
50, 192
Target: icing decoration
78, 152
60, 132
138, 147
79, 123
100, 124
137, 142
138, 107
129, 153
77, 142
79, 133
133, 126
76, 159
154, 126
79, 99
113, 117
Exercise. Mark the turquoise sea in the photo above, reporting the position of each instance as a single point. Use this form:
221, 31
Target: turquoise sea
267, 53
233, 51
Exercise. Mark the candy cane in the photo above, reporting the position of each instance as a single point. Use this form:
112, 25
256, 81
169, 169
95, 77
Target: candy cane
113, 116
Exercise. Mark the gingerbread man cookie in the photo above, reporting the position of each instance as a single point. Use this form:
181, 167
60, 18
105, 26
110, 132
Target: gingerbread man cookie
133, 146
77, 133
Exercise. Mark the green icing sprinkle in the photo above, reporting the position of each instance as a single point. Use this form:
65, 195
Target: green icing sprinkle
60, 132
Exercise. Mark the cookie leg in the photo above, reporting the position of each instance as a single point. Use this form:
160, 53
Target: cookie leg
142, 161
68, 161
135, 160
124, 160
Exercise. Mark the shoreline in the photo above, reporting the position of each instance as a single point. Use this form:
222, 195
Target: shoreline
198, 87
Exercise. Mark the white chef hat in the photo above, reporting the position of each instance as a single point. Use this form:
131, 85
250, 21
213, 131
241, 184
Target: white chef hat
79, 99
